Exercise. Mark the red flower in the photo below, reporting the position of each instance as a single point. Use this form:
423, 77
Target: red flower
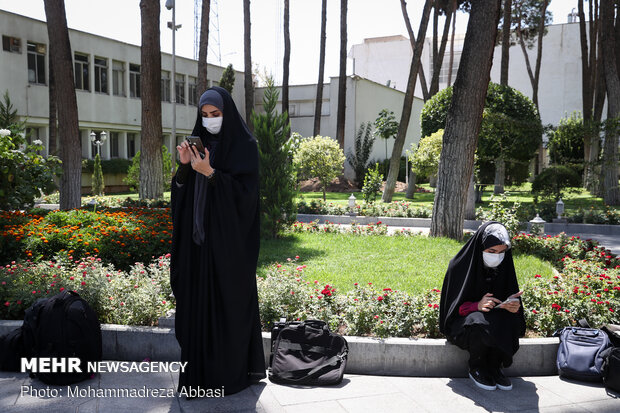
7, 304
380, 298
62, 288
83, 282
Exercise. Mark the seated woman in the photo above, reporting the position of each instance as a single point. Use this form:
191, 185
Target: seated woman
480, 309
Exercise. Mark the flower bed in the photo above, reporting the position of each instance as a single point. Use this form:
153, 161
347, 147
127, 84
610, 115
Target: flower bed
379, 209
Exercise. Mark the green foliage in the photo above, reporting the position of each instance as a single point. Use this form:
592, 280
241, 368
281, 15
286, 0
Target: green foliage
97, 179
425, 158
358, 160
386, 126
108, 166
511, 130
554, 181
227, 80
8, 115
566, 142
24, 174
133, 174
277, 180
372, 184
138, 296
320, 157
499, 211
526, 16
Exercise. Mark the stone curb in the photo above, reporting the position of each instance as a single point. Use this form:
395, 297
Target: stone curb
388, 357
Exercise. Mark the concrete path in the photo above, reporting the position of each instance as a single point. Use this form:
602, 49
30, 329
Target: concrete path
355, 394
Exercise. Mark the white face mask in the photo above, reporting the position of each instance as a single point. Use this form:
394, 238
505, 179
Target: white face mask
213, 125
491, 259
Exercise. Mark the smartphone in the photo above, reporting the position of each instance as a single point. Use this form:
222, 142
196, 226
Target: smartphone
508, 300
196, 143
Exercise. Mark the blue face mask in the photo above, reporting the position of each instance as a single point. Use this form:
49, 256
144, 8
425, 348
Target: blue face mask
491, 259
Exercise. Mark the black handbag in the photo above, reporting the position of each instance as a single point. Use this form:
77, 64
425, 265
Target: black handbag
307, 353
611, 368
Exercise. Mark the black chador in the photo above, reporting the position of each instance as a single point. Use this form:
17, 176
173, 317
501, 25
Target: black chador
492, 338
215, 244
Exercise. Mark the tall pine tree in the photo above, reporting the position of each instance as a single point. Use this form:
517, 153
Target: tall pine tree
277, 182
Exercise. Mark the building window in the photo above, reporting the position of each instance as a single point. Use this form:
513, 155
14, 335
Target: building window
114, 152
179, 86
36, 63
165, 86
134, 80
11, 44
101, 75
118, 78
192, 92
131, 145
81, 72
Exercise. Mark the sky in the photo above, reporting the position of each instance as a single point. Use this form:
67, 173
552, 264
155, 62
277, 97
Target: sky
120, 20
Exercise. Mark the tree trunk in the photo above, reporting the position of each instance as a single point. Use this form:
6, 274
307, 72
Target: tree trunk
247, 53
611, 194
454, 5
438, 60
464, 119
203, 48
53, 108
151, 167
68, 129
287, 58
506, 42
319, 87
342, 77
470, 206
425, 95
399, 142
500, 176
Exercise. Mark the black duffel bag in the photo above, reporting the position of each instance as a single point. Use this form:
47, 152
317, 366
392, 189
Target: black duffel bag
580, 353
307, 353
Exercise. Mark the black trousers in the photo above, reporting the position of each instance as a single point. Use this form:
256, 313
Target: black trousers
482, 350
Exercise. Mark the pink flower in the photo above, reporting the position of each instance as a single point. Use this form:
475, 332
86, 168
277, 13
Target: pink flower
7, 304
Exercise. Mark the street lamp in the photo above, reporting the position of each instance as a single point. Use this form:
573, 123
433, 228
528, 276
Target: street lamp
559, 208
173, 138
98, 142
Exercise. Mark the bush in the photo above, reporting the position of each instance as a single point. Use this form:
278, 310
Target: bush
554, 181
133, 174
97, 185
499, 212
372, 184
319, 157
384, 168
425, 158
138, 297
277, 180
566, 142
119, 237
108, 166
364, 141
227, 81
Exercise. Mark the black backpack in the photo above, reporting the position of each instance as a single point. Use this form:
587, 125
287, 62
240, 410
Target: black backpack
62, 326
11, 350
307, 352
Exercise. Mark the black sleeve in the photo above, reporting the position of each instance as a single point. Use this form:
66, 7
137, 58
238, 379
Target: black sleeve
182, 173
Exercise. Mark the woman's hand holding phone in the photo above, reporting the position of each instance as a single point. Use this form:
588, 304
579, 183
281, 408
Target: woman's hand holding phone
512, 303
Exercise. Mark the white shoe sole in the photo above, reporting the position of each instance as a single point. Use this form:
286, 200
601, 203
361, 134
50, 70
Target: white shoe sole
482, 386
499, 386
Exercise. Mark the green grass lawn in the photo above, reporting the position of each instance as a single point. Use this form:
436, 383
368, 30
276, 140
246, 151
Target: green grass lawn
411, 264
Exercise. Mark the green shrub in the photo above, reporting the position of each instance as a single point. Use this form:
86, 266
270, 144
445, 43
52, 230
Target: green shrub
372, 184
133, 174
319, 157
97, 185
500, 212
108, 166
425, 157
364, 141
554, 181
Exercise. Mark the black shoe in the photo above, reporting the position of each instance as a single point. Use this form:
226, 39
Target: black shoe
502, 382
482, 379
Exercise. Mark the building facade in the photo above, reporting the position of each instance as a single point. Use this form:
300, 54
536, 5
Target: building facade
107, 82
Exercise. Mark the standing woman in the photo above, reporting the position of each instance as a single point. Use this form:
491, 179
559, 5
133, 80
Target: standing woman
480, 309
215, 243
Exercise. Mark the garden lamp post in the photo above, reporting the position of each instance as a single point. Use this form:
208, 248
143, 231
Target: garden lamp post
559, 208
352, 205
537, 225
98, 142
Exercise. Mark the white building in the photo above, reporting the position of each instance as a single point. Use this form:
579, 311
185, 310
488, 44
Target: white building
559, 94
365, 99
107, 78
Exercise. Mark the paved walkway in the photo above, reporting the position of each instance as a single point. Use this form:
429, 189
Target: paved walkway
355, 394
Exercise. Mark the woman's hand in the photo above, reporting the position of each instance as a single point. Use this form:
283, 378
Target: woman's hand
487, 303
199, 164
185, 153
512, 306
